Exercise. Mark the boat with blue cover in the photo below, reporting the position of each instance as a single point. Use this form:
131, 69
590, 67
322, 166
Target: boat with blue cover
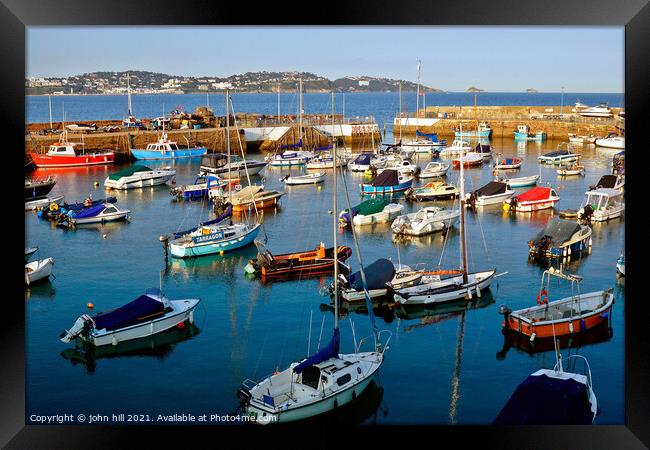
149, 314
167, 149
389, 181
201, 187
100, 213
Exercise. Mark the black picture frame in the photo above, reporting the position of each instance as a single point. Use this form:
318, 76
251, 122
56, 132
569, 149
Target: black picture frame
634, 15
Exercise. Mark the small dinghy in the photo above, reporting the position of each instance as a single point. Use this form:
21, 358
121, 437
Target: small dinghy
43, 202
325, 161
534, 199
371, 211
469, 160
38, 270
147, 315
558, 157
387, 182
571, 169
139, 177
570, 315
310, 178
433, 170
581, 139
243, 199
102, 213
317, 262
507, 163
559, 239
435, 190
552, 397
426, 221
378, 275
495, 192
519, 181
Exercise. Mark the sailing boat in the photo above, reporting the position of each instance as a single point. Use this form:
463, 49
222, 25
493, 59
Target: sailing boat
130, 121
420, 145
214, 236
320, 383
461, 283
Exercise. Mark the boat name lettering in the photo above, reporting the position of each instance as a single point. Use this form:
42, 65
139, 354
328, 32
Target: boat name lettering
208, 237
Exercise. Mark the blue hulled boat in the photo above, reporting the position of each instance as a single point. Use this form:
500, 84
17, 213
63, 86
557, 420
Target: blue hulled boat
167, 149
388, 181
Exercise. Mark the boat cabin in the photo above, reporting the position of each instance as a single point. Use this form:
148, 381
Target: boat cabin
162, 146
522, 129
62, 149
604, 198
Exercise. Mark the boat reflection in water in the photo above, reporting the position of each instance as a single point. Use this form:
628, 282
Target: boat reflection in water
210, 266
427, 241
436, 313
159, 345
381, 307
596, 335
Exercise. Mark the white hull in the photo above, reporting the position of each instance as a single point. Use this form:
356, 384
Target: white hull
389, 213
305, 179
609, 213
42, 203
412, 225
102, 218
494, 199
351, 295
611, 143
154, 178
38, 270
419, 294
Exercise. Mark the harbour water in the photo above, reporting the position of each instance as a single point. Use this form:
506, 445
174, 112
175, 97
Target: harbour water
445, 365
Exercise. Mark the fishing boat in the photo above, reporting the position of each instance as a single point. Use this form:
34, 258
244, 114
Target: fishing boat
468, 160
570, 315
560, 239
483, 131
320, 383
38, 270
310, 178
558, 157
435, 190
620, 265
457, 147
319, 261
139, 177
67, 154
533, 199
602, 204
581, 139
101, 213
611, 141
38, 188
371, 211
201, 187
43, 202
494, 192
378, 275
571, 169
167, 149
552, 397
507, 163
433, 169
426, 221
519, 181
602, 110
149, 314
389, 181
217, 164
522, 132
244, 199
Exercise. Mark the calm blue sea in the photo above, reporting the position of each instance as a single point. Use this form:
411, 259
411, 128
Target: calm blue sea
445, 365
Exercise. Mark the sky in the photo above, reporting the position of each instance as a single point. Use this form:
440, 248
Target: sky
496, 59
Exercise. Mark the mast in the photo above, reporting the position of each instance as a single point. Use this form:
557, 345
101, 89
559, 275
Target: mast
128, 90
400, 111
335, 229
278, 103
300, 114
417, 99
228, 147
463, 247
49, 99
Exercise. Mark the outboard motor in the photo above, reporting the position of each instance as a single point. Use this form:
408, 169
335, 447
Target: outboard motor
505, 311
83, 325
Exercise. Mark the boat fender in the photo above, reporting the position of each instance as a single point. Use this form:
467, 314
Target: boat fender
54, 206
542, 297
533, 336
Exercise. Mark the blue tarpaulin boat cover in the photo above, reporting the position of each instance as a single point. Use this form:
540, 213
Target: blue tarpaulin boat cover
78, 206
387, 178
433, 137
89, 212
331, 350
482, 148
542, 400
323, 148
377, 275
142, 308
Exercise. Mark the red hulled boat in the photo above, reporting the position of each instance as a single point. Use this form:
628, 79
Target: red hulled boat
71, 154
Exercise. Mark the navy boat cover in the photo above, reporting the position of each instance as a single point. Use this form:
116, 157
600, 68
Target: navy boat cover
299, 144
607, 181
79, 206
331, 350
542, 400
387, 178
363, 159
492, 188
89, 212
129, 314
482, 148
557, 153
377, 275
227, 213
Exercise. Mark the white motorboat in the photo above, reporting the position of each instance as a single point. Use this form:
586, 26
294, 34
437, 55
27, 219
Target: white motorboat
101, 213
43, 202
139, 177
148, 314
379, 275
217, 164
571, 169
559, 156
434, 169
602, 110
365, 161
289, 158
310, 178
38, 270
325, 161
418, 146
457, 147
400, 164
612, 141
602, 204
405, 277
426, 221
494, 192
581, 139
519, 181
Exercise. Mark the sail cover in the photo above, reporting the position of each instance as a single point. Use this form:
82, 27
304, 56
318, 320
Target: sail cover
387, 178
559, 230
536, 193
433, 137
331, 350
377, 275
129, 314
542, 400
482, 148
78, 206
89, 212
492, 188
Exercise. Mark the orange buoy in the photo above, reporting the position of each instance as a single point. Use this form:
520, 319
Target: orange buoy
90, 305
